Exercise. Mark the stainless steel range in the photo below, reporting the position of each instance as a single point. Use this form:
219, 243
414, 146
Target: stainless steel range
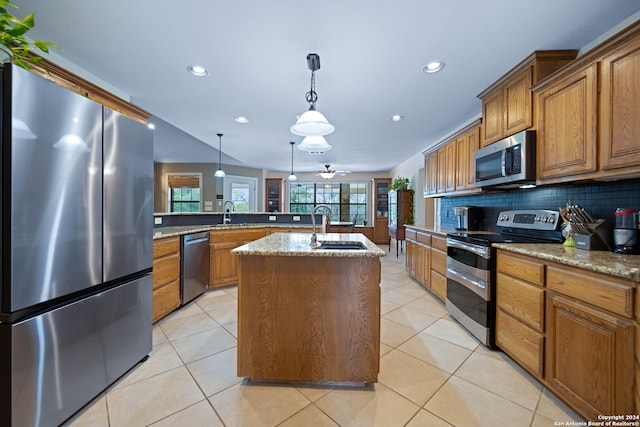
471, 266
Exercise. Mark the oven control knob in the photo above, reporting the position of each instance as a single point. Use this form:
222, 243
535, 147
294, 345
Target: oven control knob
537, 218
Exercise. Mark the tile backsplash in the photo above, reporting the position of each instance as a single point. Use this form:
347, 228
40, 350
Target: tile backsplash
599, 199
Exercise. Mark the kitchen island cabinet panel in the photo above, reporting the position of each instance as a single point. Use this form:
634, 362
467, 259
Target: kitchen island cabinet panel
296, 326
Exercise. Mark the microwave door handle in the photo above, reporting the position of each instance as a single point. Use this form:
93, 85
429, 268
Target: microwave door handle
503, 166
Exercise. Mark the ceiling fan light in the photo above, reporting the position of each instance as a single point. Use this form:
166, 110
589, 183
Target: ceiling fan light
327, 174
314, 144
312, 123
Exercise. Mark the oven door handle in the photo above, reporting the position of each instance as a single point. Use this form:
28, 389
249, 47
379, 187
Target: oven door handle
466, 279
481, 251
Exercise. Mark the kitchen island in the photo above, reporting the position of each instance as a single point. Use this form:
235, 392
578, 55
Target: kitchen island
309, 314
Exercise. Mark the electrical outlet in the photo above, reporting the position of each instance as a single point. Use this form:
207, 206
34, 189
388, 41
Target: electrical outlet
296, 218
272, 217
157, 220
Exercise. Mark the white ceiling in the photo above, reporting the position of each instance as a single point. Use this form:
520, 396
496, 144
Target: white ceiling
371, 53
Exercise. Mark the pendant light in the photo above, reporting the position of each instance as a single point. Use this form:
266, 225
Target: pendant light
312, 122
292, 177
314, 145
219, 173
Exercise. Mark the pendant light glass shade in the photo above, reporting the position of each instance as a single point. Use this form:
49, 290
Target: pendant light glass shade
312, 123
314, 145
293, 176
219, 173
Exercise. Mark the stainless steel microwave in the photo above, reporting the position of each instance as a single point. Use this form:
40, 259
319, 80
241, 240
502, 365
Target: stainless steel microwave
508, 163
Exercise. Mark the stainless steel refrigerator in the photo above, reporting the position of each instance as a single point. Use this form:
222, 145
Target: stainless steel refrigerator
76, 252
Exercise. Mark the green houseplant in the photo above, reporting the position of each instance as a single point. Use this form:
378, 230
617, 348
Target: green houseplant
13, 44
400, 183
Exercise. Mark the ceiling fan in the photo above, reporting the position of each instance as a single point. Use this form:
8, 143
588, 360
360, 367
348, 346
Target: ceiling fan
328, 173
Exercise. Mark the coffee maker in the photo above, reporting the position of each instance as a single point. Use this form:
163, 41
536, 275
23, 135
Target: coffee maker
468, 218
625, 234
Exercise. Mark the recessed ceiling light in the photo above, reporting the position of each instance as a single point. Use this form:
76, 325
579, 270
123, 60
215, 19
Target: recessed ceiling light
396, 118
241, 119
198, 70
433, 67
151, 126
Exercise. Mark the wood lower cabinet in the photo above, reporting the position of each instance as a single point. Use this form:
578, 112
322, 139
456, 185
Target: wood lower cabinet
224, 266
438, 276
520, 306
426, 260
589, 357
166, 277
573, 329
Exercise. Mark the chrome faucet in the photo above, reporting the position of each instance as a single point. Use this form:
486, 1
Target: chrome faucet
226, 217
314, 237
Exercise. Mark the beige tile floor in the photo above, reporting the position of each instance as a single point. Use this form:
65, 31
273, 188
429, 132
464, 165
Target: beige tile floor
432, 373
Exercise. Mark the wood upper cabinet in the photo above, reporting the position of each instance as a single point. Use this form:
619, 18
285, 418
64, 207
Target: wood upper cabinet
589, 114
567, 125
430, 173
441, 181
508, 105
493, 117
450, 167
620, 107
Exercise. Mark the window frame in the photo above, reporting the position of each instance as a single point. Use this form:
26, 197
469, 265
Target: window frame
339, 214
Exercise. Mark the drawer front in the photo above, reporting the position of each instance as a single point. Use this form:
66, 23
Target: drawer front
162, 247
439, 243
424, 238
165, 300
439, 261
521, 342
410, 234
522, 300
237, 235
522, 268
166, 270
438, 285
603, 291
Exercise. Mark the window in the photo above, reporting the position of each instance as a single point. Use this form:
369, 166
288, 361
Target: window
346, 199
184, 193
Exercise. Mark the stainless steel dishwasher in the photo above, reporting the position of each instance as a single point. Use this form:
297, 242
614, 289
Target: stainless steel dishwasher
194, 265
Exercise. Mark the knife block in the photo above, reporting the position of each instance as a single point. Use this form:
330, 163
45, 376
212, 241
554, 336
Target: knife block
600, 239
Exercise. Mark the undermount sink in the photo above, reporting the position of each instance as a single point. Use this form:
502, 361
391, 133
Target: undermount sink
342, 245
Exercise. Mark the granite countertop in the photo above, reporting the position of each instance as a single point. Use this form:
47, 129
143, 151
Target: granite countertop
298, 244
442, 232
620, 265
162, 232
